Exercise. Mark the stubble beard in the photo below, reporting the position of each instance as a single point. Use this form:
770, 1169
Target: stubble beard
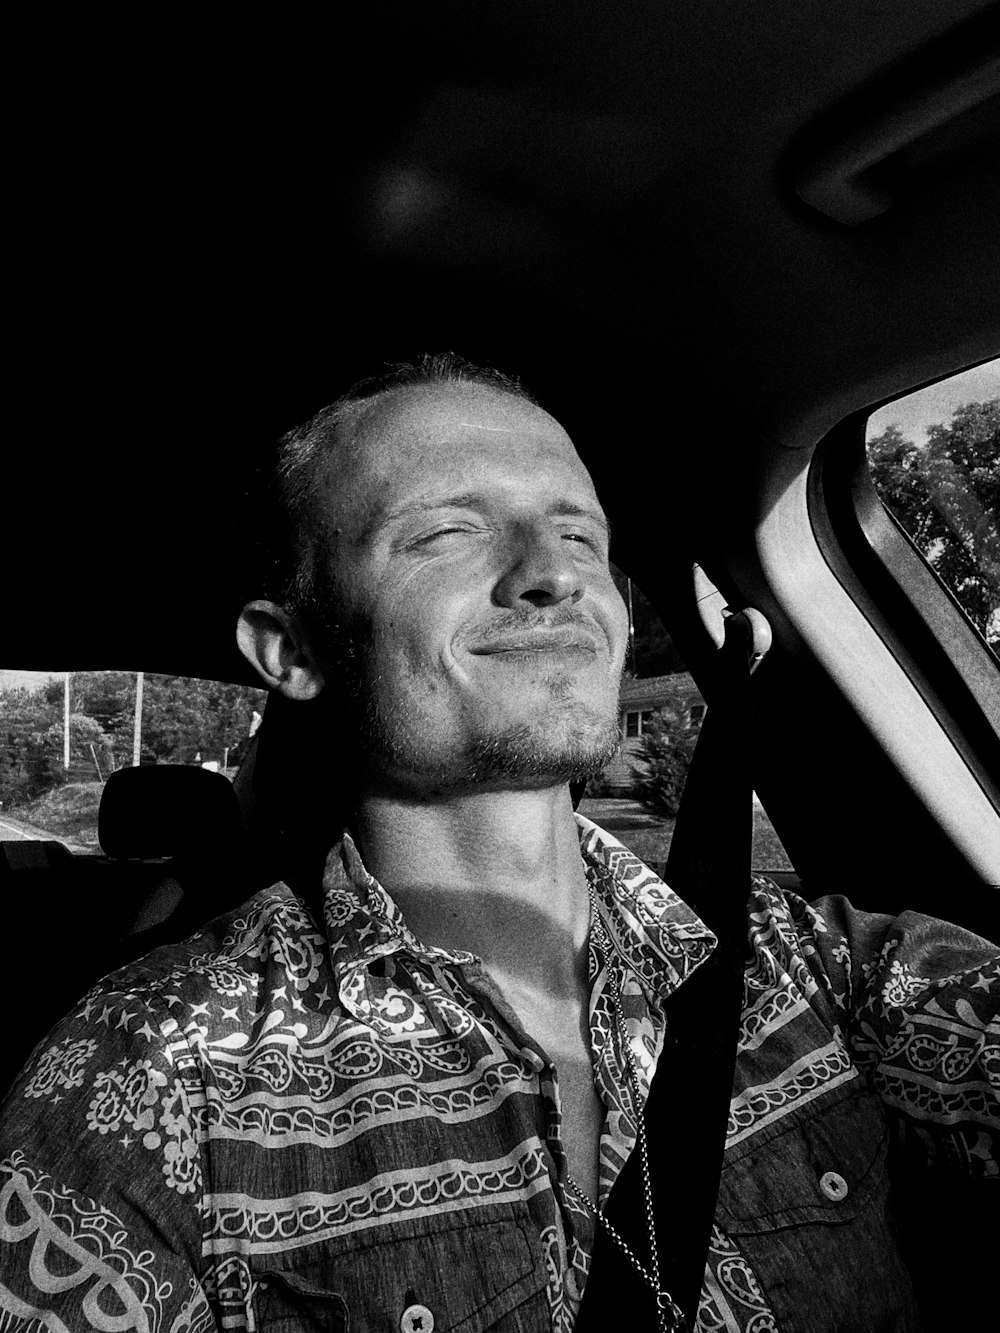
574, 741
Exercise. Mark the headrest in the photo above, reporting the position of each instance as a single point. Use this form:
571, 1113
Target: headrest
167, 810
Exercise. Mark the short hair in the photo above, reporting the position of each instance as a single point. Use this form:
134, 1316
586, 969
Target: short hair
289, 566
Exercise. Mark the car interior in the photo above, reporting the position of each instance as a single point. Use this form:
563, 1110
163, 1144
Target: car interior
712, 239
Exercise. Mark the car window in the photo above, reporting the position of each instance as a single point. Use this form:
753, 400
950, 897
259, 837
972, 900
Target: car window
934, 458
52, 775
51, 788
661, 710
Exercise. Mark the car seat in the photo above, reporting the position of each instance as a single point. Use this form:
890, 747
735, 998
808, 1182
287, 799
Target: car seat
173, 857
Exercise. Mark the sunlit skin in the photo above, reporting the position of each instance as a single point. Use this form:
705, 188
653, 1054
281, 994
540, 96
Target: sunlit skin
468, 551
466, 540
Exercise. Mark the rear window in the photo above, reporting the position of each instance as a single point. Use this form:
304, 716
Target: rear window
51, 778
63, 733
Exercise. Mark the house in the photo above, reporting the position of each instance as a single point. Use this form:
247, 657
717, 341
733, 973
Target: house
639, 700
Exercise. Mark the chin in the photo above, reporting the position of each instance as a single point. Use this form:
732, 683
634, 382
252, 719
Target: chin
549, 752
560, 739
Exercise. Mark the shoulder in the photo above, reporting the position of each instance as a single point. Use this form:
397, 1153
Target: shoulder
146, 1008
125, 1071
897, 959
241, 940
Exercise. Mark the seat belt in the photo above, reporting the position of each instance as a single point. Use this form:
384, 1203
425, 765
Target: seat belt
687, 1110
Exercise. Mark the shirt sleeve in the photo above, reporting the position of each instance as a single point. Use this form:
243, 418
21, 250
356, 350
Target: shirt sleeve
919, 1004
100, 1177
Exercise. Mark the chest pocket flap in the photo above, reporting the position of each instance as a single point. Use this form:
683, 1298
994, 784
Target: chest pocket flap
808, 1210
826, 1168
443, 1275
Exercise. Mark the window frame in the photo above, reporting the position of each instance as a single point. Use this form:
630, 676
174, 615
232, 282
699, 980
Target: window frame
898, 591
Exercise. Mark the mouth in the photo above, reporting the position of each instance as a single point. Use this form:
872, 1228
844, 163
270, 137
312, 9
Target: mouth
572, 640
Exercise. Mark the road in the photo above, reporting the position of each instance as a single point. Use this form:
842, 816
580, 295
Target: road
18, 832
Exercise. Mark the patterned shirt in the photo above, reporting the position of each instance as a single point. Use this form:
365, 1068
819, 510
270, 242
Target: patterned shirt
307, 1118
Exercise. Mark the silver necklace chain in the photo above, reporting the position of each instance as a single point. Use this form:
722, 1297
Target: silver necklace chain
670, 1318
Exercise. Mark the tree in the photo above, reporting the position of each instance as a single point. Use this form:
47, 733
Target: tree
664, 756
183, 721
27, 763
32, 745
946, 494
90, 754
182, 718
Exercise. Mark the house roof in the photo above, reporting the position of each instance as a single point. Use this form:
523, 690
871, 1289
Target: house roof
652, 691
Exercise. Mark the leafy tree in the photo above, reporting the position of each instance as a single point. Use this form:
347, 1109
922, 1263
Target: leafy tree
106, 697
90, 754
664, 756
183, 719
946, 494
31, 745
26, 759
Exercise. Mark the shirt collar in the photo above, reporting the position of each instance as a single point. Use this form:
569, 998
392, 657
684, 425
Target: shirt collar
657, 934
364, 925
661, 939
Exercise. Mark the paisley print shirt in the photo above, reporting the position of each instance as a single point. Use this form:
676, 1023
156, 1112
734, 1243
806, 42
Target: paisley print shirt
304, 1118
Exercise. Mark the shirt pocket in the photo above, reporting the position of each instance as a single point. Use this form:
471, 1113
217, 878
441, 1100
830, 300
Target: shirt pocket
808, 1208
450, 1274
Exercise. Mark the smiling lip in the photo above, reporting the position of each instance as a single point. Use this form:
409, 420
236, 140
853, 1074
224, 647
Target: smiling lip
567, 639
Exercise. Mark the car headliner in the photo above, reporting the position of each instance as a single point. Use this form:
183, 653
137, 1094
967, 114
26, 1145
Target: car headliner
225, 215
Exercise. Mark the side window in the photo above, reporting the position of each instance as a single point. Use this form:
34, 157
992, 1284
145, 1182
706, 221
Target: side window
934, 458
63, 733
661, 710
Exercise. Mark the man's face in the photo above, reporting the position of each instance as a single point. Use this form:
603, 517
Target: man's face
467, 562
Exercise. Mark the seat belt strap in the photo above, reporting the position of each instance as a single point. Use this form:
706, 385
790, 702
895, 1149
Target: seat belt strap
687, 1109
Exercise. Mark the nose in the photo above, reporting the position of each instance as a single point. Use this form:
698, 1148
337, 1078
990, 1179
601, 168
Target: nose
541, 570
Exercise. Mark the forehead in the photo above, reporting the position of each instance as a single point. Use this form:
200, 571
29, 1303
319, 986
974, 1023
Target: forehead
425, 441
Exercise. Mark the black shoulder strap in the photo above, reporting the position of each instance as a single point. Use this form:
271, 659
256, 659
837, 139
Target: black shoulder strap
687, 1111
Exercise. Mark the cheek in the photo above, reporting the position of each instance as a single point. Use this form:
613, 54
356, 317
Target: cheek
420, 616
412, 637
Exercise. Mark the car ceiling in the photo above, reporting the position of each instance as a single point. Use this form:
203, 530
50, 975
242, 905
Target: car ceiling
223, 215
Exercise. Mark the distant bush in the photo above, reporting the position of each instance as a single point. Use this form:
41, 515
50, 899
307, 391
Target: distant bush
664, 757
601, 785
67, 813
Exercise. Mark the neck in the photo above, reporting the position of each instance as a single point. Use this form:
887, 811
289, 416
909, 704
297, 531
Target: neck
497, 873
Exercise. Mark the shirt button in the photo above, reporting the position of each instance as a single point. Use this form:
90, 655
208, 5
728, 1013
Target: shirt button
834, 1186
417, 1319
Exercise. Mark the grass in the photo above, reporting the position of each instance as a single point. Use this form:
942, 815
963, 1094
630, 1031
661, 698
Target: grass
768, 853
649, 835
68, 813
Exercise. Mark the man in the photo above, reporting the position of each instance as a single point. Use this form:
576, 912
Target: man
401, 1099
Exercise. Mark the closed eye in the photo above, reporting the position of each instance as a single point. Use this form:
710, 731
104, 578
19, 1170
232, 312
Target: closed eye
450, 529
591, 540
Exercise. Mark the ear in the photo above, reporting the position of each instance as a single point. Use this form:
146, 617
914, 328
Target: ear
275, 645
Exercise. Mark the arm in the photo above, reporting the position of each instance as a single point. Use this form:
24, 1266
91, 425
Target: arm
920, 1006
100, 1177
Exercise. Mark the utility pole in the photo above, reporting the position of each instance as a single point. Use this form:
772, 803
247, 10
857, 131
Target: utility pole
137, 724
66, 723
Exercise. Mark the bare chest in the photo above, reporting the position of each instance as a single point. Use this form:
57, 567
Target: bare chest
582, 1120
566, 1039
